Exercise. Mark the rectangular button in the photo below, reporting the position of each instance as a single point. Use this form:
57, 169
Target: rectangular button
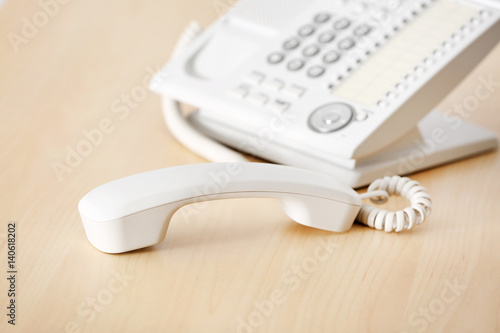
294, 90
254, 78
273, 84
258, 99
239, 92
278, 105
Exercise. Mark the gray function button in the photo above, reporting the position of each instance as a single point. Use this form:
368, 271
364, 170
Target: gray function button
322, 17
310, 51
315, 71
306, 30
362, 30
275, 58
346, 43
295, 64
291, 44
326, 37
342, 23
331, 57
330, 117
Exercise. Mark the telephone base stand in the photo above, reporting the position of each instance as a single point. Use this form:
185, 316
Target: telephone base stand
434, 141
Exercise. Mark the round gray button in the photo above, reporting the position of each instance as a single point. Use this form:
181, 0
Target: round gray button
342, 23
291, 44
322, 17
275, 58
331, 57
330, 117
306, 30
346, 43
310, 51
315, 71
362, 30
326, 37
295, 64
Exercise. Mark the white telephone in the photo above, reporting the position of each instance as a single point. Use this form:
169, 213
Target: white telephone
340, 87
333, 86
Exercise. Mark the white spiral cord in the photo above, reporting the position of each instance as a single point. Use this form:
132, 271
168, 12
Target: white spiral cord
381, 219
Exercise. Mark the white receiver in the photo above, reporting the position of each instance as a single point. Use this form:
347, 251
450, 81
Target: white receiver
134, 212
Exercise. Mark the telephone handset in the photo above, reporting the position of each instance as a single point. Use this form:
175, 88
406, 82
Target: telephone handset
335, 86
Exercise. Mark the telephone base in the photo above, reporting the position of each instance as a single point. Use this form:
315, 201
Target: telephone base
436, 140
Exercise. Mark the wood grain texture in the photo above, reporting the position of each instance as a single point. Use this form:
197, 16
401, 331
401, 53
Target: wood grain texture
240, 265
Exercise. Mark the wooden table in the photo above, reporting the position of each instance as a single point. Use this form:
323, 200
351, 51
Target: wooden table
240, 265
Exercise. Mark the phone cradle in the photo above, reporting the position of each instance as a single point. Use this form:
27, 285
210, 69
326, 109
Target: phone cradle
437, 139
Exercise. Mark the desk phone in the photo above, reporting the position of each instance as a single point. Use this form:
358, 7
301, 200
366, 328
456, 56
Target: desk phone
330, 85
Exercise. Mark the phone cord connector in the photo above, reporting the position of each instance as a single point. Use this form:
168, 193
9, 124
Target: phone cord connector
379, 192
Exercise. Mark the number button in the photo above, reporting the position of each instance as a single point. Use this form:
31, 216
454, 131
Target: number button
291, 44
322, 17
295, 64
342, 23
362, 30
306, 30
310, 51
326, 37
346, 43
331, 57
275, 58
315, 71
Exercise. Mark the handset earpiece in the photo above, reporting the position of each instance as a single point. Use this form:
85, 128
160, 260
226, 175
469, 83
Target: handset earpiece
134, 212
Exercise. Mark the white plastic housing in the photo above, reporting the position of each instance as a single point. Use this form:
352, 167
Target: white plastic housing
134, 212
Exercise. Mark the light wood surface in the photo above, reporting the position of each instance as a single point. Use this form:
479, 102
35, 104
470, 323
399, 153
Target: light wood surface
240, 265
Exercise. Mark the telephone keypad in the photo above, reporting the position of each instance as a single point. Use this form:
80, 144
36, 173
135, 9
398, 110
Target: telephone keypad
321, 37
